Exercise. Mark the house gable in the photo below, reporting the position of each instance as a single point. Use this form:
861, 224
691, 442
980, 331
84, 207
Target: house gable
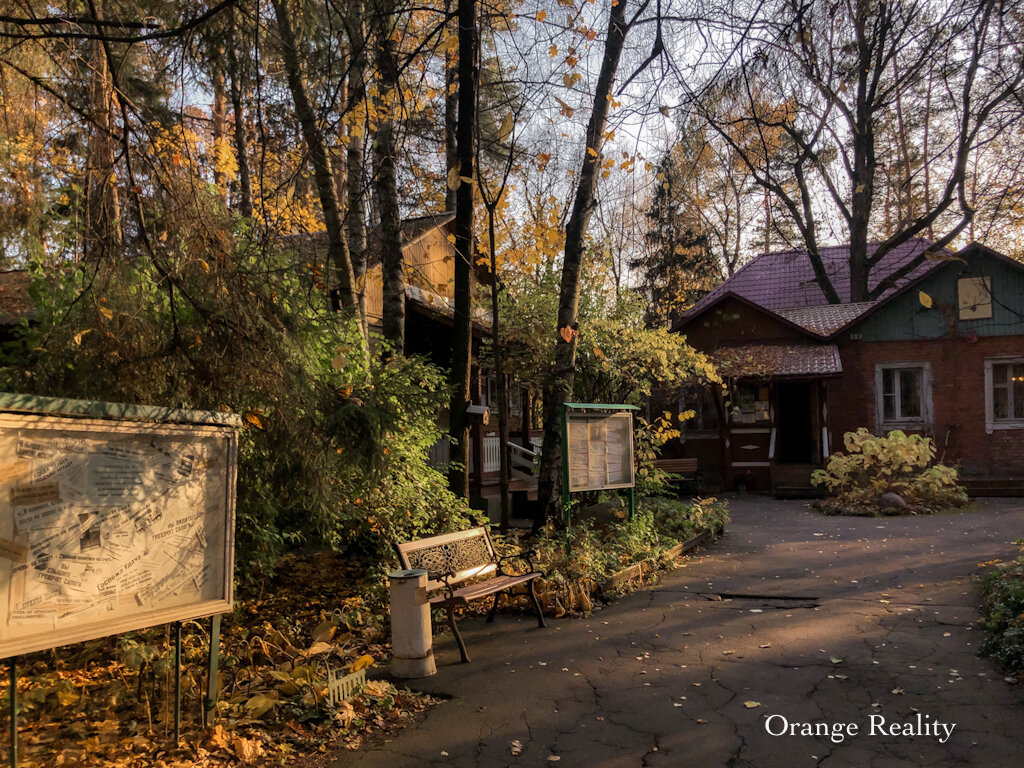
733, 319
905, 318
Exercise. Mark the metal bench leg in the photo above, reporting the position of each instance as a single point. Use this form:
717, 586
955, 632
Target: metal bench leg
536, 603
455, 631
494, 607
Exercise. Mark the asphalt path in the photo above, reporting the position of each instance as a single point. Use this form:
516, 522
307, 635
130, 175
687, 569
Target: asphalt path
795, 640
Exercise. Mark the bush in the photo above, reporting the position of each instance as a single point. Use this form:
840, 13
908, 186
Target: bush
682, 520
1002, 614
897, 463
600, 551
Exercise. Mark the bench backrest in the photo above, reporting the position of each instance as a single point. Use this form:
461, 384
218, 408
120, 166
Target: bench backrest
461, 555
677, 465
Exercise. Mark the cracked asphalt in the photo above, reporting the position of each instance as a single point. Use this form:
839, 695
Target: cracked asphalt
821, 620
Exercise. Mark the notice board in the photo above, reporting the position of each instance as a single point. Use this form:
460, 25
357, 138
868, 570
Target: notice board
111, 525
600, 451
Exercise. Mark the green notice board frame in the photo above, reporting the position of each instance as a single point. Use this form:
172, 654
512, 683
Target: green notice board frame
609, 418
70, 425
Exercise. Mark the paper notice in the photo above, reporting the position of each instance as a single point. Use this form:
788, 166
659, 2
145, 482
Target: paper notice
52, 470
14, 470
115, 480
13, 551
23, 496
28, 448
579, 474
51, 514
33, 616
597, 468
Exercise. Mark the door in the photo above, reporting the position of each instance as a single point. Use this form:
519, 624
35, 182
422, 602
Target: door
795, 419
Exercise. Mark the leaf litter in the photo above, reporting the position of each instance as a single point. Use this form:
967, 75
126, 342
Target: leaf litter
109, 702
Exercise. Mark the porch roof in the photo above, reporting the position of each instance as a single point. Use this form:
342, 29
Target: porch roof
745, 360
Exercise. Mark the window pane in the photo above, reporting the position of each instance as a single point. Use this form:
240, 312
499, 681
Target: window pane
1001, 374
1018, 392
1000, 408
889, 407
887, 383
888, 395
910, 393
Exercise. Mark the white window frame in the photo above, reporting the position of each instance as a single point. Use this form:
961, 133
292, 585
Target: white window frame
922, 422
991, 423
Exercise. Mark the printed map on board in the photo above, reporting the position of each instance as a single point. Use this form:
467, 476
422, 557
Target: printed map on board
97, 526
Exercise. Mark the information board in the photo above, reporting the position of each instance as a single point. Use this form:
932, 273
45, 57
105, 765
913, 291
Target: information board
600, 451
108, 526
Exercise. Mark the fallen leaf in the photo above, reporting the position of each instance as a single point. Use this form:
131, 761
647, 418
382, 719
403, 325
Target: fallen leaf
317, 648
515, 747
751, 704
259, 705
325, 631
364, 661
835, 659
247, 750
701, 721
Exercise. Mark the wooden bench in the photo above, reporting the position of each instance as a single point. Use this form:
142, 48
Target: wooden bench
685, 467
463, 566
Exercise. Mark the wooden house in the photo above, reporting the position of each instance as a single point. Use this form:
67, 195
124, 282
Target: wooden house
429, 261
940, 353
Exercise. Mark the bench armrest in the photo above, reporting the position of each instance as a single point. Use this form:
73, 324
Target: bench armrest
526, 555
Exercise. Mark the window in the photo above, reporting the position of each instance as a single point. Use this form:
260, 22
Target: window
974, 297
903, 397
1004, 393
700, 400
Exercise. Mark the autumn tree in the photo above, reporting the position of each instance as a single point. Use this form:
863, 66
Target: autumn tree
828, 77
560, 384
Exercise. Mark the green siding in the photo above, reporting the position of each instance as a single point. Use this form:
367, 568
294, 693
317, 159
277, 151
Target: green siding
905, 318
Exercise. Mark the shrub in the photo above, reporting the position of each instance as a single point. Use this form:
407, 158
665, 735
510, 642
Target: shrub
650, 437
897, 463
1002, 614
600, 551
682, 520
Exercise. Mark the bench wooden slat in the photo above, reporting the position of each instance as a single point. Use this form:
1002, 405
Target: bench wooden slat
677, 466
485, 588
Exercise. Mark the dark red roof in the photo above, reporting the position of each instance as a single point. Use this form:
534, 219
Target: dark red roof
777, 360
785, 279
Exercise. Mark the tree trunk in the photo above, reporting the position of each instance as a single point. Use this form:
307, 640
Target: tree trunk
499, 372
560, 385
103, 206
241, 141
219, 121
355, 212
462, 351
451, 111
319, 156
384, 144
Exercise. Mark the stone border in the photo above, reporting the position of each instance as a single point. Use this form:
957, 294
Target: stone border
637, 569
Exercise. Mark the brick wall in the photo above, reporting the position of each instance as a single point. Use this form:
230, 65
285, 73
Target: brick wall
958, 398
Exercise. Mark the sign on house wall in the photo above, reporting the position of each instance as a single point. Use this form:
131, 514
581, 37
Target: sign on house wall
600, 451
108, 526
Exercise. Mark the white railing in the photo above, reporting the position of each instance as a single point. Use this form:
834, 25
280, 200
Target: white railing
522, 461
492, 454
